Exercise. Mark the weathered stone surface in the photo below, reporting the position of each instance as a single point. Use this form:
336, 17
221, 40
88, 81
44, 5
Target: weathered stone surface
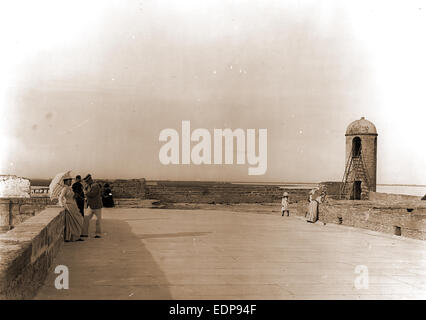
381, 216
361, 127
4, 215
27, 209
27, 252
13, 186
126, 188
215, 192
14, 211
200, 192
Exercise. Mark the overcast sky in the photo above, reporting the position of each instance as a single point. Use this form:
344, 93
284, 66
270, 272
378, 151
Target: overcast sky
89, 85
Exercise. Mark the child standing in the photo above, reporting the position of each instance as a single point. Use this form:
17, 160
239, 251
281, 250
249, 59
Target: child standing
284, 204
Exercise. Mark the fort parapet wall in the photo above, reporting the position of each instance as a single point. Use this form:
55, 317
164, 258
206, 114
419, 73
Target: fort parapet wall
399, 217
126, 188
27, 253
200, 192
14, 211
215, 192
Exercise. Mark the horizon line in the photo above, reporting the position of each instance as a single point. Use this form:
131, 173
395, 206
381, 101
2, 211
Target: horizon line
239, 181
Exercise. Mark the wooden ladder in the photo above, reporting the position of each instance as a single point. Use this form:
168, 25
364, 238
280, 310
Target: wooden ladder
357, 164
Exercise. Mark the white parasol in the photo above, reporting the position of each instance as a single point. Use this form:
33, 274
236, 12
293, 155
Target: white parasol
57, 184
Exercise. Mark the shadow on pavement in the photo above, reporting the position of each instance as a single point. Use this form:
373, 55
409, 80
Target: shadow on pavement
117, 266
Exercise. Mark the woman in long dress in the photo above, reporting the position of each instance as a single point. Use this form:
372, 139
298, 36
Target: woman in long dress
312, 211
313, 207
73, 218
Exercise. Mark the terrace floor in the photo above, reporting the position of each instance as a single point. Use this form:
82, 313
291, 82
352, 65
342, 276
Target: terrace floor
217, 254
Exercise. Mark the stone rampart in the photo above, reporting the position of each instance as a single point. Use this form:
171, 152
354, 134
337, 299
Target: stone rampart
215, 192
400, 217
27, 253
14, 211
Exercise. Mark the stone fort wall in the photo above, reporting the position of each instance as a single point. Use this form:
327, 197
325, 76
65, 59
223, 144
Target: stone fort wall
27, 253
125, 188
201, 192
215, 192
398, 216
14, 211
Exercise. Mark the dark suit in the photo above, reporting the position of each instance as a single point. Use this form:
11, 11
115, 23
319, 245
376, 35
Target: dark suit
79, 196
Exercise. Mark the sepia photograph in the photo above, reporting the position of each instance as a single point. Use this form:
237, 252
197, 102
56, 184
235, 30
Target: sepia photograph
220, 150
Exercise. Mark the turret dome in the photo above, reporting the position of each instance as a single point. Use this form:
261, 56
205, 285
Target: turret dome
361, 127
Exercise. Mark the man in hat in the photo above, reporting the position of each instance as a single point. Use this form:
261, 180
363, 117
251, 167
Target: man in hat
93, 192
77, 187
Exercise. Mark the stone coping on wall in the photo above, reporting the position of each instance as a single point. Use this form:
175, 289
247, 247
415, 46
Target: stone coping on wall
27, 252
395, 204
402, 218
14, 211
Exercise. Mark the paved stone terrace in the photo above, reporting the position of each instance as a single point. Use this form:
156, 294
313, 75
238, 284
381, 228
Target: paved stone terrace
216, 254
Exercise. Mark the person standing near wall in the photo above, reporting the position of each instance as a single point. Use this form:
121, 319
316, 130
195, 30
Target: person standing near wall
73, 219
316, 198
77, 187
284, 204
310, 198
93, 193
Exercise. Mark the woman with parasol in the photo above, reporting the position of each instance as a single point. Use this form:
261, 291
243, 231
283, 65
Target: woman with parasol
66, 199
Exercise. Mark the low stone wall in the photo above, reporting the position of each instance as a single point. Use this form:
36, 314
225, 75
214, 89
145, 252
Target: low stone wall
215, 192
196, 191
27, 252
379, 196
126, 188
14, 211
406, 218
333, 189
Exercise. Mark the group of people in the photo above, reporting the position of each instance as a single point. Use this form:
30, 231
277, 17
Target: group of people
77, 196
316, 197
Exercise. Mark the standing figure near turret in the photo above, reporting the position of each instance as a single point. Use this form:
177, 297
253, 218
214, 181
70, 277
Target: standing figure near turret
315, 199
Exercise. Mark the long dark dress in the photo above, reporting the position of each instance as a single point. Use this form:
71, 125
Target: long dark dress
79, 196
107, 199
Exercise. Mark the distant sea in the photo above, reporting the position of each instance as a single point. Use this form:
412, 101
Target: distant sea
402, 189
413, 190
